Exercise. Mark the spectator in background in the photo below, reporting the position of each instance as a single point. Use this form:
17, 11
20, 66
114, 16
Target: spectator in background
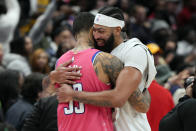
28, 8
139, 25
187, 12
61, 35
157, 53
39, 61
160, 32
11, 82
31, 10
31, 92
163, 74
8, 22
176, 83
169, 52
158, 94
41, 5
43, 21
161, 103
183, 116
171, 13
21, 50
187, 41
159, 6
99, 4
125, 5
163, 70
64, 47
44, 114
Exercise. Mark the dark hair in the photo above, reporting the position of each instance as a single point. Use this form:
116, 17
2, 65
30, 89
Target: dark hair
61, 50
9, 90
18, 46
114, 12
60, 29
83, 22
32, 86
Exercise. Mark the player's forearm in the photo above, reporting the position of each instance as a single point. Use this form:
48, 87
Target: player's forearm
109, 98
140, 101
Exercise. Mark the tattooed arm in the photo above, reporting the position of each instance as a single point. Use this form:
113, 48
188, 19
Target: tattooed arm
107, 68
106, 64
140, 101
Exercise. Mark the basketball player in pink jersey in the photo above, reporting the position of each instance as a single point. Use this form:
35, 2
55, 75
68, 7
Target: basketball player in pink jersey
77, 116
133, 81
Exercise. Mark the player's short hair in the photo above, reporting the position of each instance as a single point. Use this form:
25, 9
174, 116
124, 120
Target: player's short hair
83, 22
114, 12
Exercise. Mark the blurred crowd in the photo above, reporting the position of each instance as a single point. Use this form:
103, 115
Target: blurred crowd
35, 33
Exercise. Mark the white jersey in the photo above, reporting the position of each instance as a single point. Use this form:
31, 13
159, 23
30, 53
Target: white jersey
134, 55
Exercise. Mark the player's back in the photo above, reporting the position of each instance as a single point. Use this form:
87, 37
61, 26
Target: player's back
76, 116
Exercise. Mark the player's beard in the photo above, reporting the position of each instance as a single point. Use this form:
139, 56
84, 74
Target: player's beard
108, 44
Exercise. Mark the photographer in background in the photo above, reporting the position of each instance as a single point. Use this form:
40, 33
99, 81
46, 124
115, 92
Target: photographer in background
183, 116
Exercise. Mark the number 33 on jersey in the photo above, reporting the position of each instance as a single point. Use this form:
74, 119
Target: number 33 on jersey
75, 107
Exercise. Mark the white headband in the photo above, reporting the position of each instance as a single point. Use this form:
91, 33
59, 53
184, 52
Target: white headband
108, 21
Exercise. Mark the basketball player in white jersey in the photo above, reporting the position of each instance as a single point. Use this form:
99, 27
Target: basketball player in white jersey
138, 73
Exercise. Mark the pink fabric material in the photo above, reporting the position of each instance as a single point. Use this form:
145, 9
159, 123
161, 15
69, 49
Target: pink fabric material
79, 116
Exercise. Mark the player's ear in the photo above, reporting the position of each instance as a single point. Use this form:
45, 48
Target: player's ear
117, 30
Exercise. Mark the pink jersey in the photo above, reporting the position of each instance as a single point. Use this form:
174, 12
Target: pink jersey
76, 116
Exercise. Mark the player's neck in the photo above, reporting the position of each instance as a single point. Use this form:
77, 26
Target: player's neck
118, 42
83, 42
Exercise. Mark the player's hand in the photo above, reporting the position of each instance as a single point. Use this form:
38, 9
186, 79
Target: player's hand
64, 93
65, 74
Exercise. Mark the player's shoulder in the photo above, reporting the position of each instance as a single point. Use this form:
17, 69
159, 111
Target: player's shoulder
105, 55
133, 42
108, 65
107, 59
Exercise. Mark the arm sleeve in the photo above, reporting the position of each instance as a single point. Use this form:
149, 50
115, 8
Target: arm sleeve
136, 57
36, 32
